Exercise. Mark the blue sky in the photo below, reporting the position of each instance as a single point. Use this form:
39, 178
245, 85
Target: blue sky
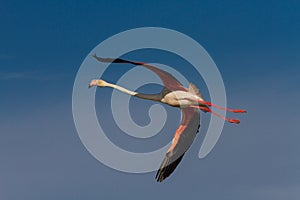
255, 45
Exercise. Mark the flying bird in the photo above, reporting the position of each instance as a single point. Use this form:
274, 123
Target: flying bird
190, 102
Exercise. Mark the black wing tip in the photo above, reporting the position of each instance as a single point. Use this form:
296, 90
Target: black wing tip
100, 59
167, 168
114, 60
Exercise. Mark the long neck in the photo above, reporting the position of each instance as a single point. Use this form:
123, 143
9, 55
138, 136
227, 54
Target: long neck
124, 90
153, 97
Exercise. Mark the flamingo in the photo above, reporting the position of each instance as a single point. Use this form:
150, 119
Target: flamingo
189, 100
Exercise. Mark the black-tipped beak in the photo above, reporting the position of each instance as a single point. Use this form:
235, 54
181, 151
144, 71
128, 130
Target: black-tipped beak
89, 86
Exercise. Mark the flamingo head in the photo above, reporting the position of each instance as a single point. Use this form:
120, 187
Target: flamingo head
100, 83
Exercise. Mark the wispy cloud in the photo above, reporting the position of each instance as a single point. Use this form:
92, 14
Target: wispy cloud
277, 192
4, 56
29, 75
11, 75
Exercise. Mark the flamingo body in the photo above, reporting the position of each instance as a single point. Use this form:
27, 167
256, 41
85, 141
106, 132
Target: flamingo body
189, 100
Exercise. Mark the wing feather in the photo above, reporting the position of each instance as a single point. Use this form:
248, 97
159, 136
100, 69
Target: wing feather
169, 81
194, 90
182, 140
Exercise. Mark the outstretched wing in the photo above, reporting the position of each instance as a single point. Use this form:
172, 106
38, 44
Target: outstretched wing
183, 138
169, 81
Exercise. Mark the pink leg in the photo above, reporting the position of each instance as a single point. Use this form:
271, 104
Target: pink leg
218, 115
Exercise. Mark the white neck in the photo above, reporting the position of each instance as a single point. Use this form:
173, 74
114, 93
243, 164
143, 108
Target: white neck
132, 93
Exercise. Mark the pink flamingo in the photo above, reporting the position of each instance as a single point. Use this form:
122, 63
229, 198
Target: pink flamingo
189, 100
